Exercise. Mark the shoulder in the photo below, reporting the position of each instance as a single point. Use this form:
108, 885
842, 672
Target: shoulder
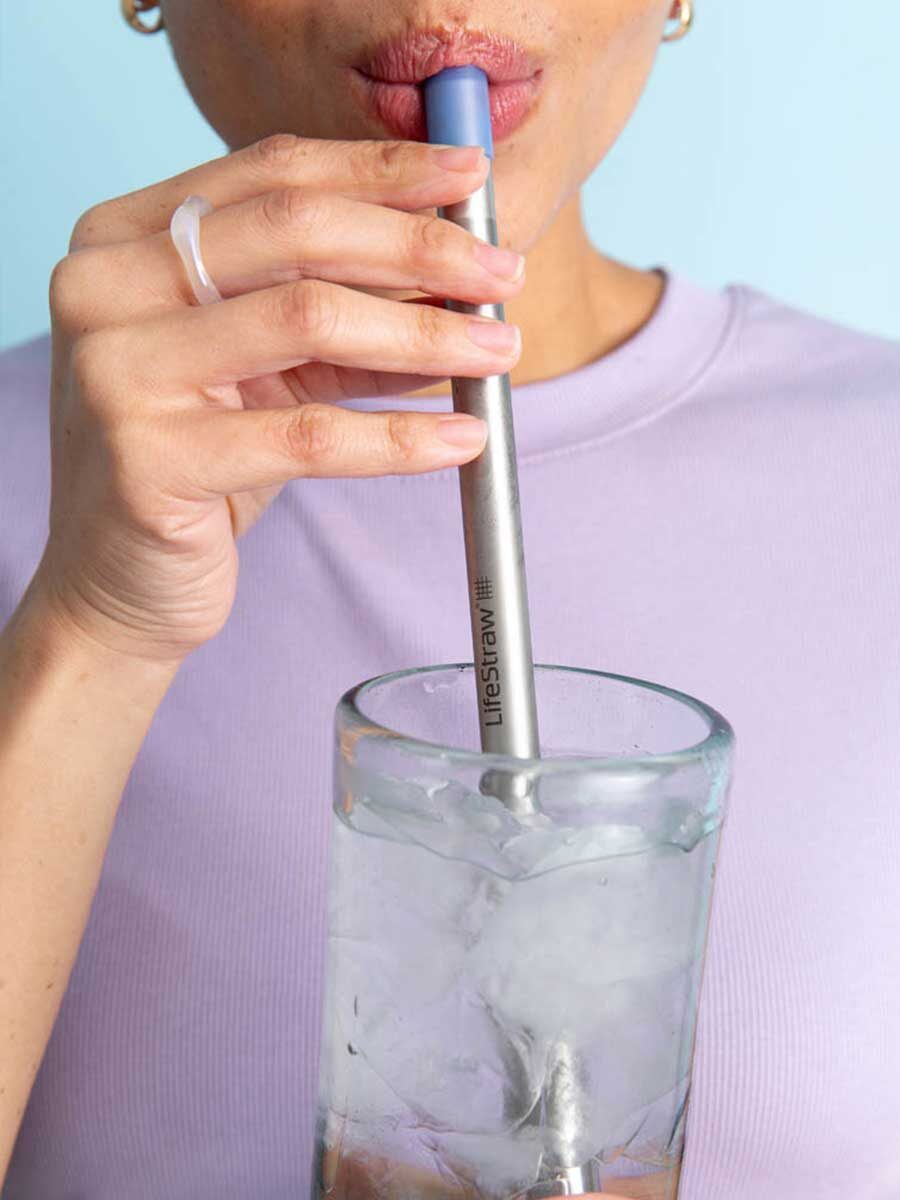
25, 360
781, 352
25, 384
24, 463
24, 412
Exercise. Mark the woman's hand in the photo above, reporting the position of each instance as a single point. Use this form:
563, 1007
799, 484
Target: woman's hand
173, 425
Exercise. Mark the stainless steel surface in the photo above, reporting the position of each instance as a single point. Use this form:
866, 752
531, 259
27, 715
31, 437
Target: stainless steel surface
564, 1109
576, 1181
501, 638
489, 489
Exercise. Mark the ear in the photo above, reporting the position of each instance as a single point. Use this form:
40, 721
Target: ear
675, 11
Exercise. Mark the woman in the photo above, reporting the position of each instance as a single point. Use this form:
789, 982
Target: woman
707, 482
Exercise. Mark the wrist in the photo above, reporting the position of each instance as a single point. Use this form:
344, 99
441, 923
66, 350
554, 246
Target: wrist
45, 636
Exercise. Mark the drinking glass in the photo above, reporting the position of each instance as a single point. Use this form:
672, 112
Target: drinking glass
512, 991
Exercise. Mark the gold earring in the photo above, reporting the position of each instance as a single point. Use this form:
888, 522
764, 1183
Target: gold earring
131, 9
686, 20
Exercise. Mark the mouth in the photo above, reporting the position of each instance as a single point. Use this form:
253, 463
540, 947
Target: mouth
388, 82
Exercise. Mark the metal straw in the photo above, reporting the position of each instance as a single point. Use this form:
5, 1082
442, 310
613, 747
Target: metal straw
457, 106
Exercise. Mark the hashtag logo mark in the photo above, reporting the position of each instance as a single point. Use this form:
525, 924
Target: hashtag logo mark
484, 589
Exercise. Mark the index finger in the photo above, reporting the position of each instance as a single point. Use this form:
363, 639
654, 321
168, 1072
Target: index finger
404, 175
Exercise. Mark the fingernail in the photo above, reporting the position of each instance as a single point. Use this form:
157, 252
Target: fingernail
459, 158
505, 264
462, 430
498, 336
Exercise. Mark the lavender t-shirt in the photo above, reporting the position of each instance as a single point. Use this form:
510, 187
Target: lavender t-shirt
713, 506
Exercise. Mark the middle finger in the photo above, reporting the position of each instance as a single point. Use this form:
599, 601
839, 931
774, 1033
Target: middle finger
293, 234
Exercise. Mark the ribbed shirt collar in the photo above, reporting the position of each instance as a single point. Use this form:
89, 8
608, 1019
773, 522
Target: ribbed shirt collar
651, 371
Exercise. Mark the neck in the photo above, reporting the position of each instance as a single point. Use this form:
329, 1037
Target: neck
576, 306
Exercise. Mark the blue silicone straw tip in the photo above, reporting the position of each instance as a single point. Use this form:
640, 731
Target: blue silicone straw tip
458, 108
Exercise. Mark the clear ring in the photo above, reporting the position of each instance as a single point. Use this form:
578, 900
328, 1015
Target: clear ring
185, 231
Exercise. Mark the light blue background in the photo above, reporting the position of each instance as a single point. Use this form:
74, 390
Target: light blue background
765, 150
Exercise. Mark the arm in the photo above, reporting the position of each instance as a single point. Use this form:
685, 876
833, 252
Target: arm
72, 717
172, 427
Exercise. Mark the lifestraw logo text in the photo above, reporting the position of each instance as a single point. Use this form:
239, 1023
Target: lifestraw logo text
491, 697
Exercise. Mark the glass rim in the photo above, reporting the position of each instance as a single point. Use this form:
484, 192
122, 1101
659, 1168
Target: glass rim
718, 741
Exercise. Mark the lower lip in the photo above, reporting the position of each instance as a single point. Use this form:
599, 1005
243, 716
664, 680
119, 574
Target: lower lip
401, 109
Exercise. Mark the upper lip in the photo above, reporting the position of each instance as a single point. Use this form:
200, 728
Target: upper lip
414, 56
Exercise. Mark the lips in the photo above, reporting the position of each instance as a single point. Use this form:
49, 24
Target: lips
387, 81
418, 55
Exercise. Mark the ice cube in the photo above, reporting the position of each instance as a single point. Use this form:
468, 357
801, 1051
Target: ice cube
444, 817
451, 1062
497, 1165
465, 946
